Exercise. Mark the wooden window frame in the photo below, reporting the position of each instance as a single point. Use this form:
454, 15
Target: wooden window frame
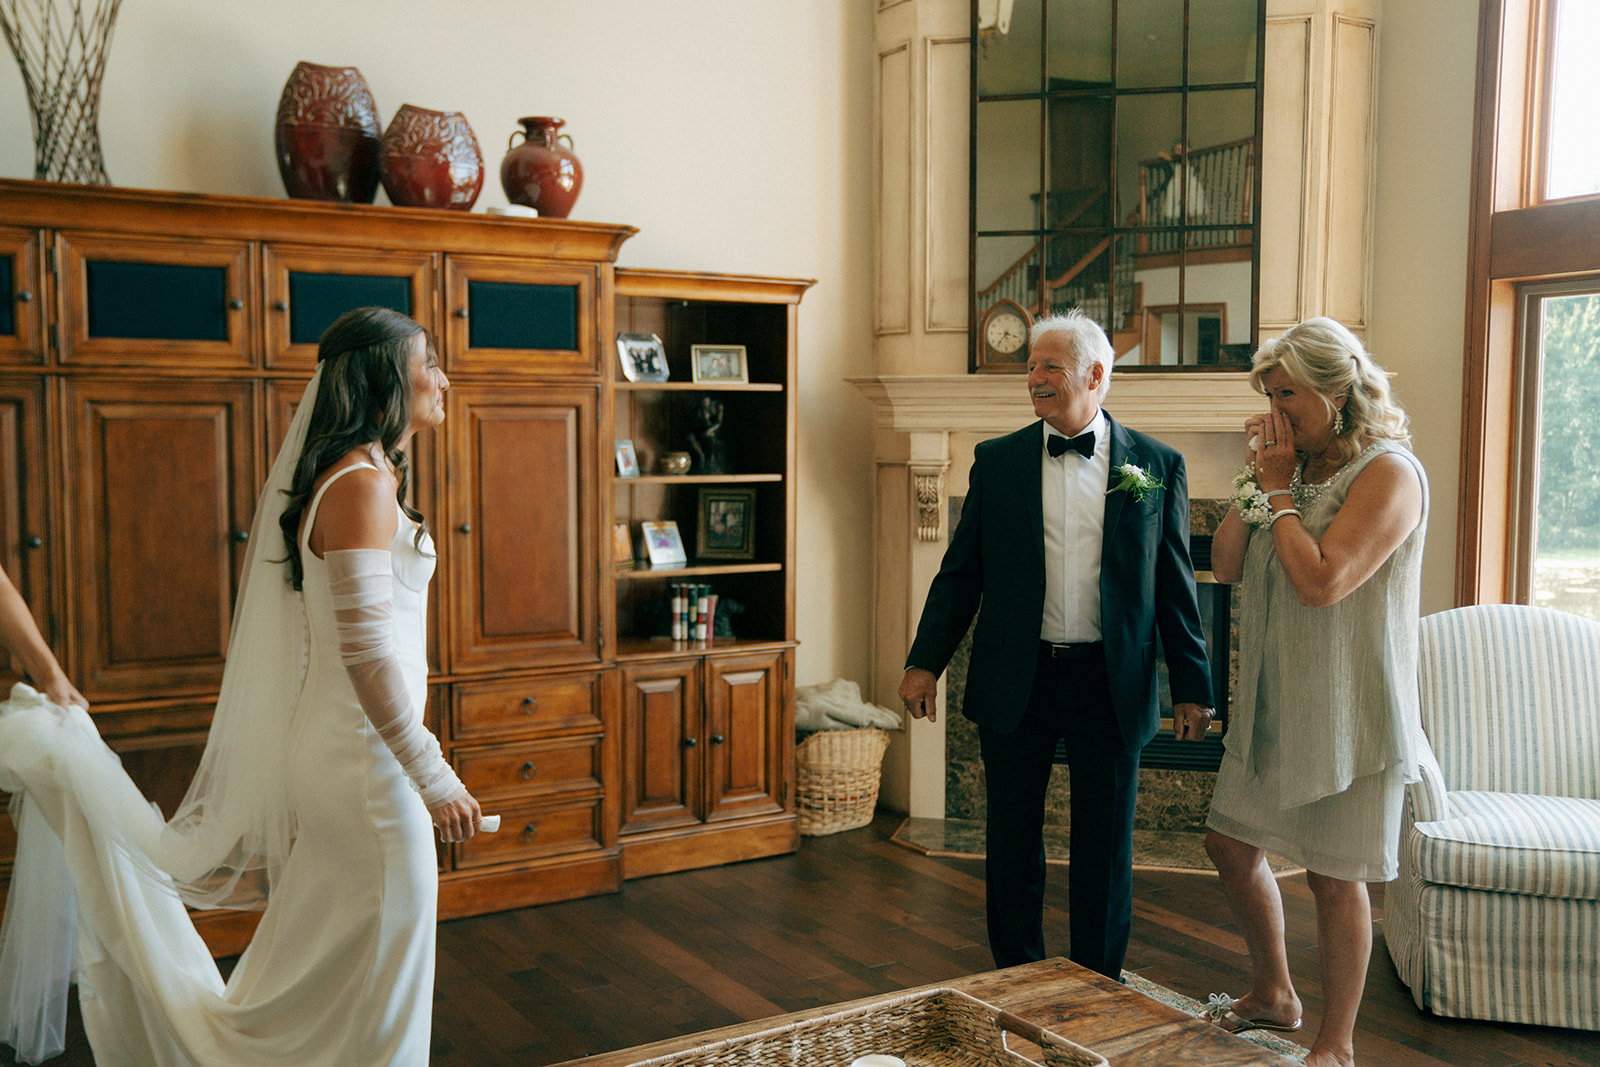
1517, 239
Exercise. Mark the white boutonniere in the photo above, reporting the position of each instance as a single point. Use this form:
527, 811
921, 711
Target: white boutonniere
1135, 481
1252, 503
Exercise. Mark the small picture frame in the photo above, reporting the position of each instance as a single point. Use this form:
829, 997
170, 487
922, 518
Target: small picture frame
662, 543
627, 460
621, 546
644, 359
727, 525
719, 363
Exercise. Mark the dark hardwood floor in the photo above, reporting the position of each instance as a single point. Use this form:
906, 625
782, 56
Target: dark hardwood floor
849, 916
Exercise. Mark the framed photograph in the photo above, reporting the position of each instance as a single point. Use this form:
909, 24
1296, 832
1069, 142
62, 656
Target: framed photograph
627, 461
662, 542
643, 357
727, 526
719, 363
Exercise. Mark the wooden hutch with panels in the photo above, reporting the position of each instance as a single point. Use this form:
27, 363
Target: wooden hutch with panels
152, 349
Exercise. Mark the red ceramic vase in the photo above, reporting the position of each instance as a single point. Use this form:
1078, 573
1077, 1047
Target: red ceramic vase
539, 172
430, 159
326, 135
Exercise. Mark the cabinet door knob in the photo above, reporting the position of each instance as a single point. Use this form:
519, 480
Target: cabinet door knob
716, 739
24, 295
461, 313
235, 304
530, 833
33, 542
529, 705
465, 527
529, 770
280, 305
239, 536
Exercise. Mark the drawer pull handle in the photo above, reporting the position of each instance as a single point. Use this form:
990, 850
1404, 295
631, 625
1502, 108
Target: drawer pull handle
239, 537
529, 770
235, 305
34, 542
461, 313
280, 305
24, 295
530, 706
689, 742
716, 739
530, 833
465, 527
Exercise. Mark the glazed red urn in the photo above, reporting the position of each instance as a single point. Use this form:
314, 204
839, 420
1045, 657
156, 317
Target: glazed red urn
326, 135
430, 159
541, 172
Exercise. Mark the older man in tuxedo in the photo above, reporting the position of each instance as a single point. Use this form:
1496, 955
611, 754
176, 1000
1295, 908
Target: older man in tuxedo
1073, 553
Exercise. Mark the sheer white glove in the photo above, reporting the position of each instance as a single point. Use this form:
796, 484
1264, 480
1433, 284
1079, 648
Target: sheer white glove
362, 583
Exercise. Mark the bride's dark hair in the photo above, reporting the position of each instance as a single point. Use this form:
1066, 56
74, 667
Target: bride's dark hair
365, 396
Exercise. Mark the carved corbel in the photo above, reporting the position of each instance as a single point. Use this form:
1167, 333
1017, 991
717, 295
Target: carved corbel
928, 480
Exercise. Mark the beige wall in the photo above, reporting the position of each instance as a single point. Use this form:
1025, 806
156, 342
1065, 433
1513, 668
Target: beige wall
1427, 60
736, 134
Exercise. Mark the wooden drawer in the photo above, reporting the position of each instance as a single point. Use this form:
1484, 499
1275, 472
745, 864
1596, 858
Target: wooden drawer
534, 832
523, 771
566, 703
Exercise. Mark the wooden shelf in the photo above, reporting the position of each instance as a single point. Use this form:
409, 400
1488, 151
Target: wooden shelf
698, 479
702, 387
667, 648
636, 573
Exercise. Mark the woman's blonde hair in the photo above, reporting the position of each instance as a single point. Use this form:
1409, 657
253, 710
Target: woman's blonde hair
1323, 356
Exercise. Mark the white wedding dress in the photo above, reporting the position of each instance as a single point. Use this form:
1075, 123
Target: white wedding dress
340, 971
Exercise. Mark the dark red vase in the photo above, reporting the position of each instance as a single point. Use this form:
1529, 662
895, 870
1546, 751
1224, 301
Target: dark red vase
430, 159
326, 135
539, 172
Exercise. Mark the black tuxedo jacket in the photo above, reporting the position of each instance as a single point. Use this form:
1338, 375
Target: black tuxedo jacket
994, 568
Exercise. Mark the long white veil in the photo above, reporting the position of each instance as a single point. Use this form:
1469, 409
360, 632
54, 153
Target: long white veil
236, 820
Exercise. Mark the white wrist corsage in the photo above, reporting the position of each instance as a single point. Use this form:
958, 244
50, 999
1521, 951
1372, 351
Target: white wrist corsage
1135, 481
1252, 503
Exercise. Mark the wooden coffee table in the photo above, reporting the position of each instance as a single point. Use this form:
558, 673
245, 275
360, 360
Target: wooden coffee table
1127, 1028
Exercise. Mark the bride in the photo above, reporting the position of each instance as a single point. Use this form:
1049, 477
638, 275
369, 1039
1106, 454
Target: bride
318, 795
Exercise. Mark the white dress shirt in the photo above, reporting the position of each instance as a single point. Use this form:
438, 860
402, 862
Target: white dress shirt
1074, 489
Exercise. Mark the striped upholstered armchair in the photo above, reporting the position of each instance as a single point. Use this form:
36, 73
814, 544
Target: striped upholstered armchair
1496, 914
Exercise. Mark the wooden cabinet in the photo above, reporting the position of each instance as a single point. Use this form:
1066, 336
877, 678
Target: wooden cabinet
161, 490
153, 349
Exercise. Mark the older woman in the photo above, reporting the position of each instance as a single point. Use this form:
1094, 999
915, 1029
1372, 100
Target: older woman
1326, 535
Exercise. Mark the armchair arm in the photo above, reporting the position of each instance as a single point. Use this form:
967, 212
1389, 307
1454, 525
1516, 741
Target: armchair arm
1430, 800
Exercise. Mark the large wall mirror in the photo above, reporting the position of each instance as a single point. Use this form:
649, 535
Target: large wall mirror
1115, 149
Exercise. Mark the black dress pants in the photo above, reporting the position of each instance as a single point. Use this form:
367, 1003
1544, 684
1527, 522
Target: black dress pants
1071, 699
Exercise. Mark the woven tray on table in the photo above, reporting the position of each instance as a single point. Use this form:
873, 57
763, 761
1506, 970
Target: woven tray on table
939, 1028
836, 779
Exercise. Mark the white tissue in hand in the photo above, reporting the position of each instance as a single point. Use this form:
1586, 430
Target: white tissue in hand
489, 824
1255, 442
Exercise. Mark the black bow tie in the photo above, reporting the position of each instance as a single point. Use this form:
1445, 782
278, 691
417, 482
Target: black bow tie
1083, 444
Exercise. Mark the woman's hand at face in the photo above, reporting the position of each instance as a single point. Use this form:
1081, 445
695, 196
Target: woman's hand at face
1275, 452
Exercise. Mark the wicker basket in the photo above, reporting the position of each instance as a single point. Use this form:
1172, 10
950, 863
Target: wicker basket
836, 779
939, 1028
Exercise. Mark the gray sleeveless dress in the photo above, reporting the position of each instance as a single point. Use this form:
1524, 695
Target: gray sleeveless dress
1324, 730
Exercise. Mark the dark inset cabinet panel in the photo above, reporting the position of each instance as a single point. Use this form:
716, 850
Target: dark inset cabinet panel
21, 306
151, 303
513, 315
8, 281
315, 300
308, 288
157, 301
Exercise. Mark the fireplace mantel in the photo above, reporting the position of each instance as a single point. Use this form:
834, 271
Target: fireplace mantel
1156, 403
